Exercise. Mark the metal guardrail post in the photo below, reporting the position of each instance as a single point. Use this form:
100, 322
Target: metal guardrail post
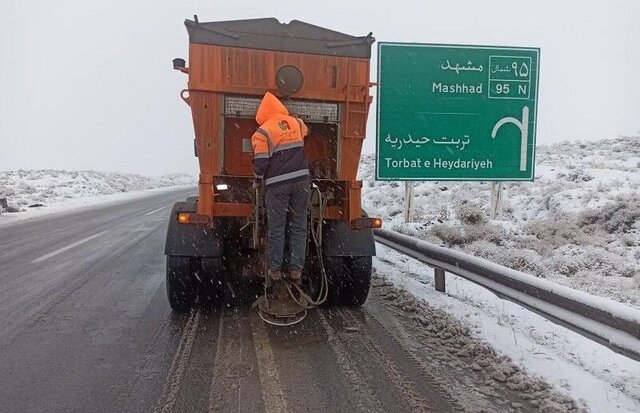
439, 279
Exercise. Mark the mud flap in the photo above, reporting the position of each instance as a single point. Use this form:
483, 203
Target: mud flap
339, 240
190, 240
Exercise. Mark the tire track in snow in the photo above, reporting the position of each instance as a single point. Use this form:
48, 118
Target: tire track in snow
272, 392
178, 365
367, 402
413, 398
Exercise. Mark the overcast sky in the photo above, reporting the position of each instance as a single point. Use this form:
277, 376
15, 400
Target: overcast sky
89, 85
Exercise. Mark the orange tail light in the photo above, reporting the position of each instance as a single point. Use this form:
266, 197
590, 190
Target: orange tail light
366, 223
192, 218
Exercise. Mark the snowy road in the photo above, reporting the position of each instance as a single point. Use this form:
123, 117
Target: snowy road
85, 326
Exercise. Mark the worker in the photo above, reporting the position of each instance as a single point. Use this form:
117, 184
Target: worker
279, 163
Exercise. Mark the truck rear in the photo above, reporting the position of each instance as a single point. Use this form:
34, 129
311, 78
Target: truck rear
321, 76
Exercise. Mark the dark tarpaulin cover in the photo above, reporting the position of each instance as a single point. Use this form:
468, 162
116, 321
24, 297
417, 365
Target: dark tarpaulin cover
270, 34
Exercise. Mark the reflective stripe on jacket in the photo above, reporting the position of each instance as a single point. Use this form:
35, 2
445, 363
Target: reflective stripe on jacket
278, 144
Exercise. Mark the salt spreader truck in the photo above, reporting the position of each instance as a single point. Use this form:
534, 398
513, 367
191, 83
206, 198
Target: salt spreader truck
218, 237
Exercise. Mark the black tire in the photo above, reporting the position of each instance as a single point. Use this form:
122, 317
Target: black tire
181, 290
211, 282
336, 269
355, 288
349, 280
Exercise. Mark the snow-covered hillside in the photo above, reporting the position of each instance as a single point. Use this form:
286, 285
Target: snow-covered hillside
577, 224
25, 188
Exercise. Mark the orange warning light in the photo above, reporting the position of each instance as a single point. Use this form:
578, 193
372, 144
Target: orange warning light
183, 217
366, 223
193, 218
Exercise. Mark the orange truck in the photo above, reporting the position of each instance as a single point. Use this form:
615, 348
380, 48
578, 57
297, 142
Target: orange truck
322, 76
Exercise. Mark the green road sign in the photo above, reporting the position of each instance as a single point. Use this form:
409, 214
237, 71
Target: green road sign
449, 112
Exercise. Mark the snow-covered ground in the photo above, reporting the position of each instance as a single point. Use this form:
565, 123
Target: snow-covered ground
577, 224
590, 373
37, 192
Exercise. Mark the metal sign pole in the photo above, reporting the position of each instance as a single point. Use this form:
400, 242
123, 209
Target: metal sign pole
492, 208
408, 201
499, 200
496, 200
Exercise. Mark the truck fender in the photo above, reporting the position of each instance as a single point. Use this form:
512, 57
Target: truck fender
190, 240
339, 240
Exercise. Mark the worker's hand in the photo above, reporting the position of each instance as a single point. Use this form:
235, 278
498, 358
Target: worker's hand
256, 184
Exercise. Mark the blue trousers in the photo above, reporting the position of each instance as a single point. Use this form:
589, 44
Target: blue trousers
286, 205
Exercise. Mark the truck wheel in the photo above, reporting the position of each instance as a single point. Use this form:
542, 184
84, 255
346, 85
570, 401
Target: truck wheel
336, 269
211, 279
180, 289
349, 279
356, 281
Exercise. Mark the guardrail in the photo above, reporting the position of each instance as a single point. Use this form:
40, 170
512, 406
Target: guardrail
610, 323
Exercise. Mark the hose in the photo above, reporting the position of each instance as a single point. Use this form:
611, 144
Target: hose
316, 235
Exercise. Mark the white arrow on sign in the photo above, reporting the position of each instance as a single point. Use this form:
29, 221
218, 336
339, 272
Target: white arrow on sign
524, 133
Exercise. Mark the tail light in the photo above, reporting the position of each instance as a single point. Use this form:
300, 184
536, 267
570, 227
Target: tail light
366, 223
192, 218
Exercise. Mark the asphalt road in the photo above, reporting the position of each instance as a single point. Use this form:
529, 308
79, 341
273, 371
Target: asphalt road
85, 326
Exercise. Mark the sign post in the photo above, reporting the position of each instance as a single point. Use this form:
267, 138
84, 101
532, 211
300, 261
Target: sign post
408, 201
496, 201
458, 113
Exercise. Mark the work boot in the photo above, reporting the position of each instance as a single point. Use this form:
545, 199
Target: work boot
275, 275
296, 276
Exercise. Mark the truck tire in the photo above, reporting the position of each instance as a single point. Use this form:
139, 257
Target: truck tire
181, 290
211, 279
349, 279
336, 269
356, 281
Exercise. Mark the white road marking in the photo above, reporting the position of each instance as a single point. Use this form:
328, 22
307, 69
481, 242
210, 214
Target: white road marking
68, 247
154, 211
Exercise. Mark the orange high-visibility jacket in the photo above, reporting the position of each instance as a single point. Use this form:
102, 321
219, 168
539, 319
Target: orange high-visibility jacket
278, 144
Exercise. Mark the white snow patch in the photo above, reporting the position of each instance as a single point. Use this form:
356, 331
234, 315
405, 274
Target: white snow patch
59, 190
589, 372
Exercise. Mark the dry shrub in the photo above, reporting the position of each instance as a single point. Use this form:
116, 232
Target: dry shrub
484, 249
448, 234
607, 263
470, 214
531, 242
565, 265
527, 261
615, 217
562, 229
579, 176
458, 236
485, 232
